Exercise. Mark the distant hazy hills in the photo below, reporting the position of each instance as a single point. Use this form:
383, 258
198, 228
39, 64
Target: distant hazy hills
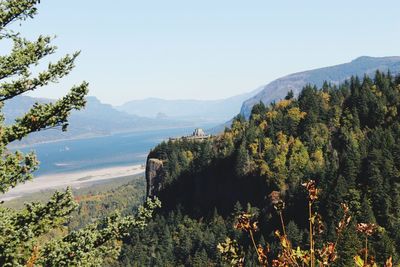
153, 113
278, 89
203, 110
99, 119
95, 120
102, 119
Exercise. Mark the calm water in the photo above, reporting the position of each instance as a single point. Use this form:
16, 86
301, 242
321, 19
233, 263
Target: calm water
100, 152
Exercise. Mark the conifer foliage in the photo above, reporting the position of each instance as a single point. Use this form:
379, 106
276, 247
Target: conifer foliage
23, 238
344, 137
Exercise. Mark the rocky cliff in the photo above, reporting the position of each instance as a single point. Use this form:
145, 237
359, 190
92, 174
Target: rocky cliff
154, 175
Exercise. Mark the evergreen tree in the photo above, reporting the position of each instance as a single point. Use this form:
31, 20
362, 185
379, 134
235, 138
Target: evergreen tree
294, 233
242, 165
348, 247
200, 259
366, 214
22, 232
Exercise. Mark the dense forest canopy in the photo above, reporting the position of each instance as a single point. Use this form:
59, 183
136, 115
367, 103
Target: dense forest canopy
346, 138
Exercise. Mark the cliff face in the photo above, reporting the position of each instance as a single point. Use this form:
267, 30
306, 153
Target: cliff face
154, 176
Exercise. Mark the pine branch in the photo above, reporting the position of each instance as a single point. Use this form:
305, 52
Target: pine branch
24, 54
19, 229
89, 246
14, 10
54, 72
42, 116
16, 168
38, 219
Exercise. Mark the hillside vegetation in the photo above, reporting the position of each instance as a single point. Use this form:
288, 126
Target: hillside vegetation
337, 74
346, 138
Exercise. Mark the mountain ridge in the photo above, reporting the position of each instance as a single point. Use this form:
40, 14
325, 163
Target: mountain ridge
277, 89
218, 110
96, 119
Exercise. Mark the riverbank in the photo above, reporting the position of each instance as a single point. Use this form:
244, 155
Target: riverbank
74, 179
32, 144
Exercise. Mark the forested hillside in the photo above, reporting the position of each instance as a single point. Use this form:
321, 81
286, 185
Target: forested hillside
278, 88
346, 138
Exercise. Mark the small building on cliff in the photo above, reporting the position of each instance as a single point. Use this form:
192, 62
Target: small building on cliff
197, 135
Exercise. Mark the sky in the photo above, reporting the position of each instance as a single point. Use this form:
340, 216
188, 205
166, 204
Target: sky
208, 49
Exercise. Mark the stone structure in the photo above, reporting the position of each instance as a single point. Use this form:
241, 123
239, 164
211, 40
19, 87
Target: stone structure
198, 134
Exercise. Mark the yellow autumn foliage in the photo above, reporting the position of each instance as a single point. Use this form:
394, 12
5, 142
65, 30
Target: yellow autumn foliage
296, 114
267, 142
326, 97
189, 155
263, 125
376, 91
254, 147
271, 115
264, 169
299, 157
282, 150
283, 103
317, 159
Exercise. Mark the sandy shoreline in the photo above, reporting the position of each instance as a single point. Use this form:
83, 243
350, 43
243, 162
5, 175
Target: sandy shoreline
75, 179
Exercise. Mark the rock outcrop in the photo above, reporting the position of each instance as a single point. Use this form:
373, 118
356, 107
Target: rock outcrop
154, 176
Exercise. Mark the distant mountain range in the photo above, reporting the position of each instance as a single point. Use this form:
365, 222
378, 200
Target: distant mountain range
97, 119
149, 114
216, 111
278, 89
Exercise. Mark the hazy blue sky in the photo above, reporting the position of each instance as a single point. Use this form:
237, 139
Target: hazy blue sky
208, 49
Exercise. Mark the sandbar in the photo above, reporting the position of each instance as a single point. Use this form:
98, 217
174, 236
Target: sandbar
73, 179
